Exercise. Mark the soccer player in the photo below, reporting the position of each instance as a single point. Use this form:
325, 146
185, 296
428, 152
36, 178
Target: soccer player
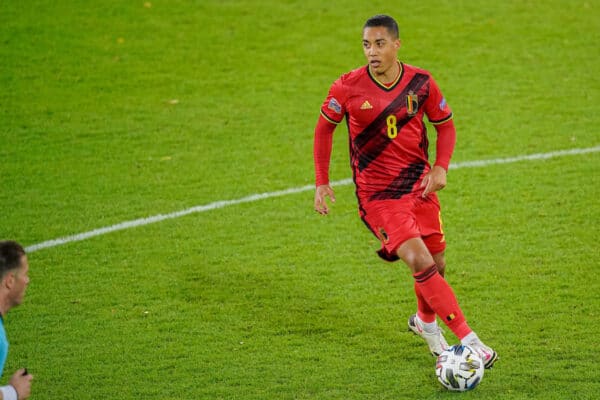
384, 104
14, 279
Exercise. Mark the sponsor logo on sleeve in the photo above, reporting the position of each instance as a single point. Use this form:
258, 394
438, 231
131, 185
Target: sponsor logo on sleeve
443, 103
334, 105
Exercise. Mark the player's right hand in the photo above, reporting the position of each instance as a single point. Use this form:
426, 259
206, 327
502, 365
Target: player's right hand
321, 192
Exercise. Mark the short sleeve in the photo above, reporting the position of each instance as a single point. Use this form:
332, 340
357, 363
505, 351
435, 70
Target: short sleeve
437, 109
333, 108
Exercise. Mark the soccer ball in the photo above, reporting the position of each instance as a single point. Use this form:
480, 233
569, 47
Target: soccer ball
459, 368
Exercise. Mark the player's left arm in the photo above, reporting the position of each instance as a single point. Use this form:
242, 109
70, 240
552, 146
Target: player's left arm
439, 113
446, 138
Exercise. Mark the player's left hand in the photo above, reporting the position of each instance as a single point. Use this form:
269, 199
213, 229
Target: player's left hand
435, 180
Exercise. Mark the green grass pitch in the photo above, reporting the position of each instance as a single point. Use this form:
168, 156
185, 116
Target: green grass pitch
113, 111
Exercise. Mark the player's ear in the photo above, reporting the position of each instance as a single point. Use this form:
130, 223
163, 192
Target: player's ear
8, 280
398, 44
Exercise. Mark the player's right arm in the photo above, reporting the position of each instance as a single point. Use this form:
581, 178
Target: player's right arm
332, 113
323, 144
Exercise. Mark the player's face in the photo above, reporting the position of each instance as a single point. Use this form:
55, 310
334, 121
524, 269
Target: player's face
381, 49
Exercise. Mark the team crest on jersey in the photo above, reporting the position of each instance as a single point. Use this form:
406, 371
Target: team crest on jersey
334, 105
412, 103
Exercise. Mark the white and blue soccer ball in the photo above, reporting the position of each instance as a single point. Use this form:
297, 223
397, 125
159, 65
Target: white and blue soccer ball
459, 368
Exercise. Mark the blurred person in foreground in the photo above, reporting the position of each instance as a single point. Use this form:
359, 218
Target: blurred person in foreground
14, 269
384, 104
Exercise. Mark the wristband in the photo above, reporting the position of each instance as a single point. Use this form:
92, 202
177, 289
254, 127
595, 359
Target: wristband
9, 392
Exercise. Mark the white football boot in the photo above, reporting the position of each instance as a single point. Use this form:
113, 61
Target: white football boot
487, 354
436, 341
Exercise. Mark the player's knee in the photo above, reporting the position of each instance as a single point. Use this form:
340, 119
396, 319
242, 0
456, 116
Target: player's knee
418, 261
416, 255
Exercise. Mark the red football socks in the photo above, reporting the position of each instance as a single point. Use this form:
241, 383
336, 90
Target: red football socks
431, 288
424, 312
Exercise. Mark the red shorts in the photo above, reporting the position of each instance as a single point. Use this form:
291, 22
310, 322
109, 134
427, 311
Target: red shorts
395, 221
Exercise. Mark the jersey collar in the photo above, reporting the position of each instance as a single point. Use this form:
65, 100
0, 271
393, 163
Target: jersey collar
391, 85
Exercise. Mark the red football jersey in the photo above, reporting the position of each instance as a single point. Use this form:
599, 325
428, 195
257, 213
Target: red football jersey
388, 137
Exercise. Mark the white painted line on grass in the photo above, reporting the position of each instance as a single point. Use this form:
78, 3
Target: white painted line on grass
529, 157
256, 197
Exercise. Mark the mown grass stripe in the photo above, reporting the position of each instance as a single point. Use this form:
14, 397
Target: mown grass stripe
261, 196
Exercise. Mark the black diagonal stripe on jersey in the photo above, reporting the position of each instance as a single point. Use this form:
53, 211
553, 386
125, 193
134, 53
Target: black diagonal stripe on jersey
402, 184
368, 144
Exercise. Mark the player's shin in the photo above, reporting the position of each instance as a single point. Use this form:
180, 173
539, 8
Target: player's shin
424, 311
440, 297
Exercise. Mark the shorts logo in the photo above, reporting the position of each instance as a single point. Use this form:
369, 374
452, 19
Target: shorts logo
334, 105
412, 103
383, 236
366, 105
